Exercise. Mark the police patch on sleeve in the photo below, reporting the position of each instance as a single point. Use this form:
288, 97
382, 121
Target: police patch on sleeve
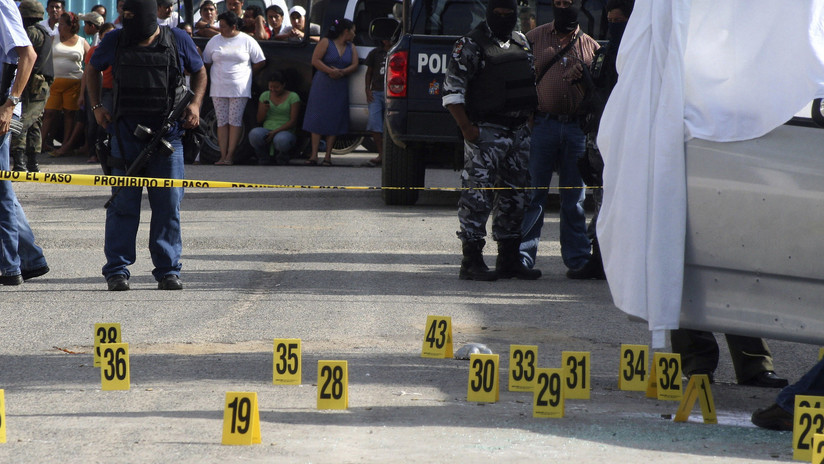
456, 52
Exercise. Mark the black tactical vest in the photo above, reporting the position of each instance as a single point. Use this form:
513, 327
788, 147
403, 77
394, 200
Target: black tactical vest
44, 65
507, 81
147, 79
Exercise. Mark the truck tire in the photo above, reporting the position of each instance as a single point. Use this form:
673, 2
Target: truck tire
345, 144
209, 149
404, 168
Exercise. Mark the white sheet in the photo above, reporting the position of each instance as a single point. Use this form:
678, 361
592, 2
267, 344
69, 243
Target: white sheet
723, 71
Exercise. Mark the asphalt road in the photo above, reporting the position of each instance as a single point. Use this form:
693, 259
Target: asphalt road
354, 280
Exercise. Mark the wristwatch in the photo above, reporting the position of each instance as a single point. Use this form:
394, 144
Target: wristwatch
14, 100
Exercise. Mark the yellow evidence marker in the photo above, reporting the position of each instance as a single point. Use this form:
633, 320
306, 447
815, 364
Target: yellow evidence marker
483, 378
665, 378
286, 368
632, 371
114, 366
437, 338
818, 448
2, 416
241, 419
333, 385
576, 374
105, 333
522, 365
808, 420
697, 388
548, 395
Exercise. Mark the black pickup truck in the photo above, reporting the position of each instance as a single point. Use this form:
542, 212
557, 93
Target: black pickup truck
294, 60
421, 132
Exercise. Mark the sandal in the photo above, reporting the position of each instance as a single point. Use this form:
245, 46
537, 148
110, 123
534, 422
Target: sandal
311, 163
326, 162
375, 162
223, 163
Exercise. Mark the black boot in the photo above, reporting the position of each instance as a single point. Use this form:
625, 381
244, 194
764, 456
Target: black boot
19, 161
509, 262
472, 265
31, 163
593, 269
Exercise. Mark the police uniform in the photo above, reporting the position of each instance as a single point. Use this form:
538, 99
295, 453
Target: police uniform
146, 82
751, 357
26, 145
494, 80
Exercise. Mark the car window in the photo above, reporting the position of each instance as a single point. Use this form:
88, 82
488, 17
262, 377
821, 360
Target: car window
221, 6
458, 17
453, 17
365, 12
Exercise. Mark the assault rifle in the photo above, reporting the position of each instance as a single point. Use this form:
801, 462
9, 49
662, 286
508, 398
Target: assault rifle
157, 144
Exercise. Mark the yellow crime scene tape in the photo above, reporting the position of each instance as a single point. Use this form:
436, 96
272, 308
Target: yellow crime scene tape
123, 181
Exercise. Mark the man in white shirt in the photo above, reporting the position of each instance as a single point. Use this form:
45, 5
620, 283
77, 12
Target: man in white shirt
298, 29
165, 15
53, 10
20, 258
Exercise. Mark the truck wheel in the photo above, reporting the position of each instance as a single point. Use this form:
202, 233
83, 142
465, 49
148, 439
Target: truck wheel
404, 168
346, 144
369, 144
210, 150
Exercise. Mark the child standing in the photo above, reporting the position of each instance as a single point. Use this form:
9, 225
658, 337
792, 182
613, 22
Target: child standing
375, 77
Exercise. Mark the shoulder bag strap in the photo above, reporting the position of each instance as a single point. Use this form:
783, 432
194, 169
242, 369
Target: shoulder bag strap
557, 57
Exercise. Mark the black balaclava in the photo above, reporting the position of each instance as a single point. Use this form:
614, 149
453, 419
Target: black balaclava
501, 27
144, 22
566, 19
616, 31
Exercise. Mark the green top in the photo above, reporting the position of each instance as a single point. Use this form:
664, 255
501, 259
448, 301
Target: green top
278, 115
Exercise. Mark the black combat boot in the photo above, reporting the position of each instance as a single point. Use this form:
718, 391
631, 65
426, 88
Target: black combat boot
472, 265
509, 262
31, 163
19, 161
593, 269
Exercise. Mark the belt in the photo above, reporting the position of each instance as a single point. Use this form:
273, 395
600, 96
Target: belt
506, 121
562, 118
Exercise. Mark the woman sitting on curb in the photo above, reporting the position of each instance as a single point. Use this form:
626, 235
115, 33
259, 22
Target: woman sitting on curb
278, 112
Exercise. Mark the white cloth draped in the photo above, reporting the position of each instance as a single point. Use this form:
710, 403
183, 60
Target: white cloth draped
721, 71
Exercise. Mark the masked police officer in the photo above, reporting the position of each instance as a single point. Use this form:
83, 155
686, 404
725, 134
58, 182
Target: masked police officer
26, 145
489, 89
148, 63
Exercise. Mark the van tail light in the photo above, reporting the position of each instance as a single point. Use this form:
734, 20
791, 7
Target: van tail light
396, 77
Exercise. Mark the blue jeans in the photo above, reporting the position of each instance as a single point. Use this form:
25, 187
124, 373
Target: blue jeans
811, 384
556, 145
123, 215
283, 142
17, 249
376, 110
